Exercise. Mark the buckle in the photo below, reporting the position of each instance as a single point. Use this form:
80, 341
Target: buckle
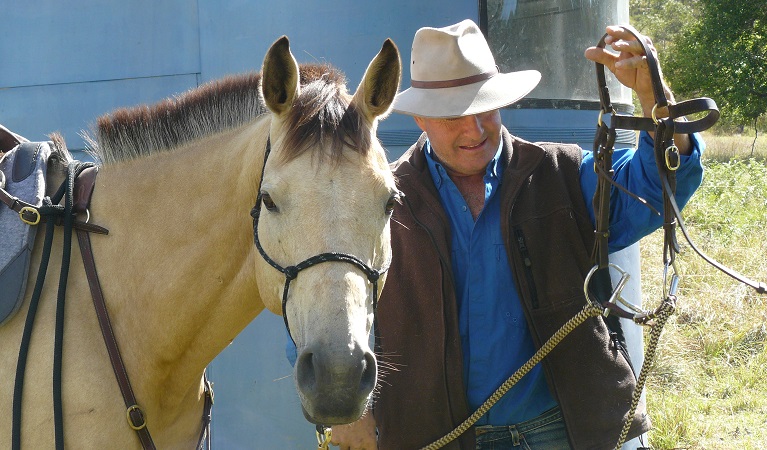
673, 160
130, 420
27, 211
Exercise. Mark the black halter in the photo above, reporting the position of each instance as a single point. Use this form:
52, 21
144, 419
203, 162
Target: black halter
291, 272
667, 160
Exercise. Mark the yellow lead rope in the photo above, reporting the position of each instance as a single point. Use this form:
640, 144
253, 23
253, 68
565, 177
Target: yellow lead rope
589, 310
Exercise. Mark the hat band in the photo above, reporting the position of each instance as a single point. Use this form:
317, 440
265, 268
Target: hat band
454, 83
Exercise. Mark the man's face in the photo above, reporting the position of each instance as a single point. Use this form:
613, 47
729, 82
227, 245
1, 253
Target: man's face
465, 145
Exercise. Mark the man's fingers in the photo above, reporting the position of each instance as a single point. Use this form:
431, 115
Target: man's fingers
637, 62
601, 56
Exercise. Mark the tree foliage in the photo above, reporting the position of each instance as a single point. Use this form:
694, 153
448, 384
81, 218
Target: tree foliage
712, 48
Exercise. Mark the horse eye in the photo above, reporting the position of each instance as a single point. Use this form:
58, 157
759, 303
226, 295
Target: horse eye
268, 202
396, 197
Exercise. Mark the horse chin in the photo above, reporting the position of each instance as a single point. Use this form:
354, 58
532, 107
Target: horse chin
329, 414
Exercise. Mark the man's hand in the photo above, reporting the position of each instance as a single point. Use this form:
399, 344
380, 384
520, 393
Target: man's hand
630, 68
359, 435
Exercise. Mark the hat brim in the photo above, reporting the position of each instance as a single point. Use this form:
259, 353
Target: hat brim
501, 90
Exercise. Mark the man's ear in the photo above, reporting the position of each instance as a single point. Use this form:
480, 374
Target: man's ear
419, 121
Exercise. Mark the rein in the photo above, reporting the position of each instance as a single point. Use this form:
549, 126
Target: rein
291, 272
76, 191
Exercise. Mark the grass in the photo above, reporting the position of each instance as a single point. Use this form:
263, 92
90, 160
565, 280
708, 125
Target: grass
708, 388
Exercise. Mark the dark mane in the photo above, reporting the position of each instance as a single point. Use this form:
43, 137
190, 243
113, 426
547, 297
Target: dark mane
320, 114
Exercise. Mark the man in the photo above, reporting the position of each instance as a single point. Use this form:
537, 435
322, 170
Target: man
491, 245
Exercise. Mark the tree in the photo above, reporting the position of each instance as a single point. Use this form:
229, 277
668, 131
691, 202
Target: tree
723, 55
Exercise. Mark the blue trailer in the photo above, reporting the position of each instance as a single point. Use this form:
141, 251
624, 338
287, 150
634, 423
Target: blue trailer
66, 63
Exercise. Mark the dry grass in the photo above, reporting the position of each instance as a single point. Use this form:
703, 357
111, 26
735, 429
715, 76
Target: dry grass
708, 389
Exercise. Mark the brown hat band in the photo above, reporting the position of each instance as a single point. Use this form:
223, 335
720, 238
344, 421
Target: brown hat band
453, 83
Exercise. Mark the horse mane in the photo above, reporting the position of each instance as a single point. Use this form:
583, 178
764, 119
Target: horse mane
320, 113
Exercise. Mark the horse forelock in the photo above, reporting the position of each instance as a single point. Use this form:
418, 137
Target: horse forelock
322, 115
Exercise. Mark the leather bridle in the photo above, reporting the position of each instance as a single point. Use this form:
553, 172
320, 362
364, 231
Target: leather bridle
667, 159
291, 272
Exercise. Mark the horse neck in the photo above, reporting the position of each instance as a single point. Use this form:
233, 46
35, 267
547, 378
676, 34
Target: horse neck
178, 265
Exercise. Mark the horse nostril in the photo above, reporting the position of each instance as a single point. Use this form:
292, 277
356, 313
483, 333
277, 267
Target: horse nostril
369, 372
305, 370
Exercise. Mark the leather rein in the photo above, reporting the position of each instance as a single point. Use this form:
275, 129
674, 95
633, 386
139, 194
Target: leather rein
76, 192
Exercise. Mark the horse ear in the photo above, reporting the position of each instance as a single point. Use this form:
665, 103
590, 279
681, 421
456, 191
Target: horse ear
380, 83
279, 77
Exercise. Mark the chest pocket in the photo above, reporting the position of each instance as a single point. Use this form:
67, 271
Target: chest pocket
553, 256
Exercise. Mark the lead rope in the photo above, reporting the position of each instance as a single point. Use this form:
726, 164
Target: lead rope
589, 310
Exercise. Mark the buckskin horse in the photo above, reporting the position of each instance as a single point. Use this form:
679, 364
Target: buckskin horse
184, 268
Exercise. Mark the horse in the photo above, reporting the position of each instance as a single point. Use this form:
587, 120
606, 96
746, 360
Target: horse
180, 272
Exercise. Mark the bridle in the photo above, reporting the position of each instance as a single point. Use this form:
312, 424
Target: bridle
291, 272
667, 159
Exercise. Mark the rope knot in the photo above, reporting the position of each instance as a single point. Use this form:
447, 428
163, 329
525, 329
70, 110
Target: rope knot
374, 275
291, 272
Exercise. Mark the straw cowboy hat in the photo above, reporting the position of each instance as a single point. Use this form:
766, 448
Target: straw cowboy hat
453, 73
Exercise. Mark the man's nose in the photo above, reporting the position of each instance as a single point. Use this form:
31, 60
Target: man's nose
472, 125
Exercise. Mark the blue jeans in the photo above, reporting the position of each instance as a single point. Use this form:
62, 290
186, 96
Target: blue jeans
546, 431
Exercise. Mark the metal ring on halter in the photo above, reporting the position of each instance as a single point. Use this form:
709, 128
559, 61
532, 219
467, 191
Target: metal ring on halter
324, 435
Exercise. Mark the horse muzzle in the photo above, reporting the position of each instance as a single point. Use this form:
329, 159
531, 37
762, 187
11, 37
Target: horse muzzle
334, 388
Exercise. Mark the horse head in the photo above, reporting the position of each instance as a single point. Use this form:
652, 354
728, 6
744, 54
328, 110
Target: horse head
322, 222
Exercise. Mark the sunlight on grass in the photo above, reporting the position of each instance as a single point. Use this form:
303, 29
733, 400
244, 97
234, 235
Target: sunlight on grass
708, 389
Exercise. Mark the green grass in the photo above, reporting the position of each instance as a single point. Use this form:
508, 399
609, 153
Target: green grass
708, 388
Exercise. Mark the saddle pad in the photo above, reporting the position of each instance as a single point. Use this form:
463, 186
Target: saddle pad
23, 173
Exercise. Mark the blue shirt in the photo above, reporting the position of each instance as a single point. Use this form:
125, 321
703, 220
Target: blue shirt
494, 334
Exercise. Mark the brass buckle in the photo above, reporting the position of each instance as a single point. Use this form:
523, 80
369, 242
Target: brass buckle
673, 160
29, 210
130, 421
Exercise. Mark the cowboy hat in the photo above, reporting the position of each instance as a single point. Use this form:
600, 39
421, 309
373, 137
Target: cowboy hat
453, 74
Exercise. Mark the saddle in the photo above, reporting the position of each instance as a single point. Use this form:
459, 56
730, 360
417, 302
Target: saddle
22, 183
23, 171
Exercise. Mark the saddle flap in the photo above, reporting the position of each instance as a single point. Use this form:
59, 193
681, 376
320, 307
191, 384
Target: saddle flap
24, 169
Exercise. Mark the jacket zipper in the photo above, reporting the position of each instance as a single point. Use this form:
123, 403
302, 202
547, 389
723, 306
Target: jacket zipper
528, 266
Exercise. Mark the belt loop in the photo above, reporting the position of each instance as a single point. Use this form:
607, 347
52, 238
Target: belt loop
514, 435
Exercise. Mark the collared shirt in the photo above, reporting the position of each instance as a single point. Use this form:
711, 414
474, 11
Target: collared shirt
494, 335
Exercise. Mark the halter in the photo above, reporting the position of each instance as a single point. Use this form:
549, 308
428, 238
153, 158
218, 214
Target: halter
291, 272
